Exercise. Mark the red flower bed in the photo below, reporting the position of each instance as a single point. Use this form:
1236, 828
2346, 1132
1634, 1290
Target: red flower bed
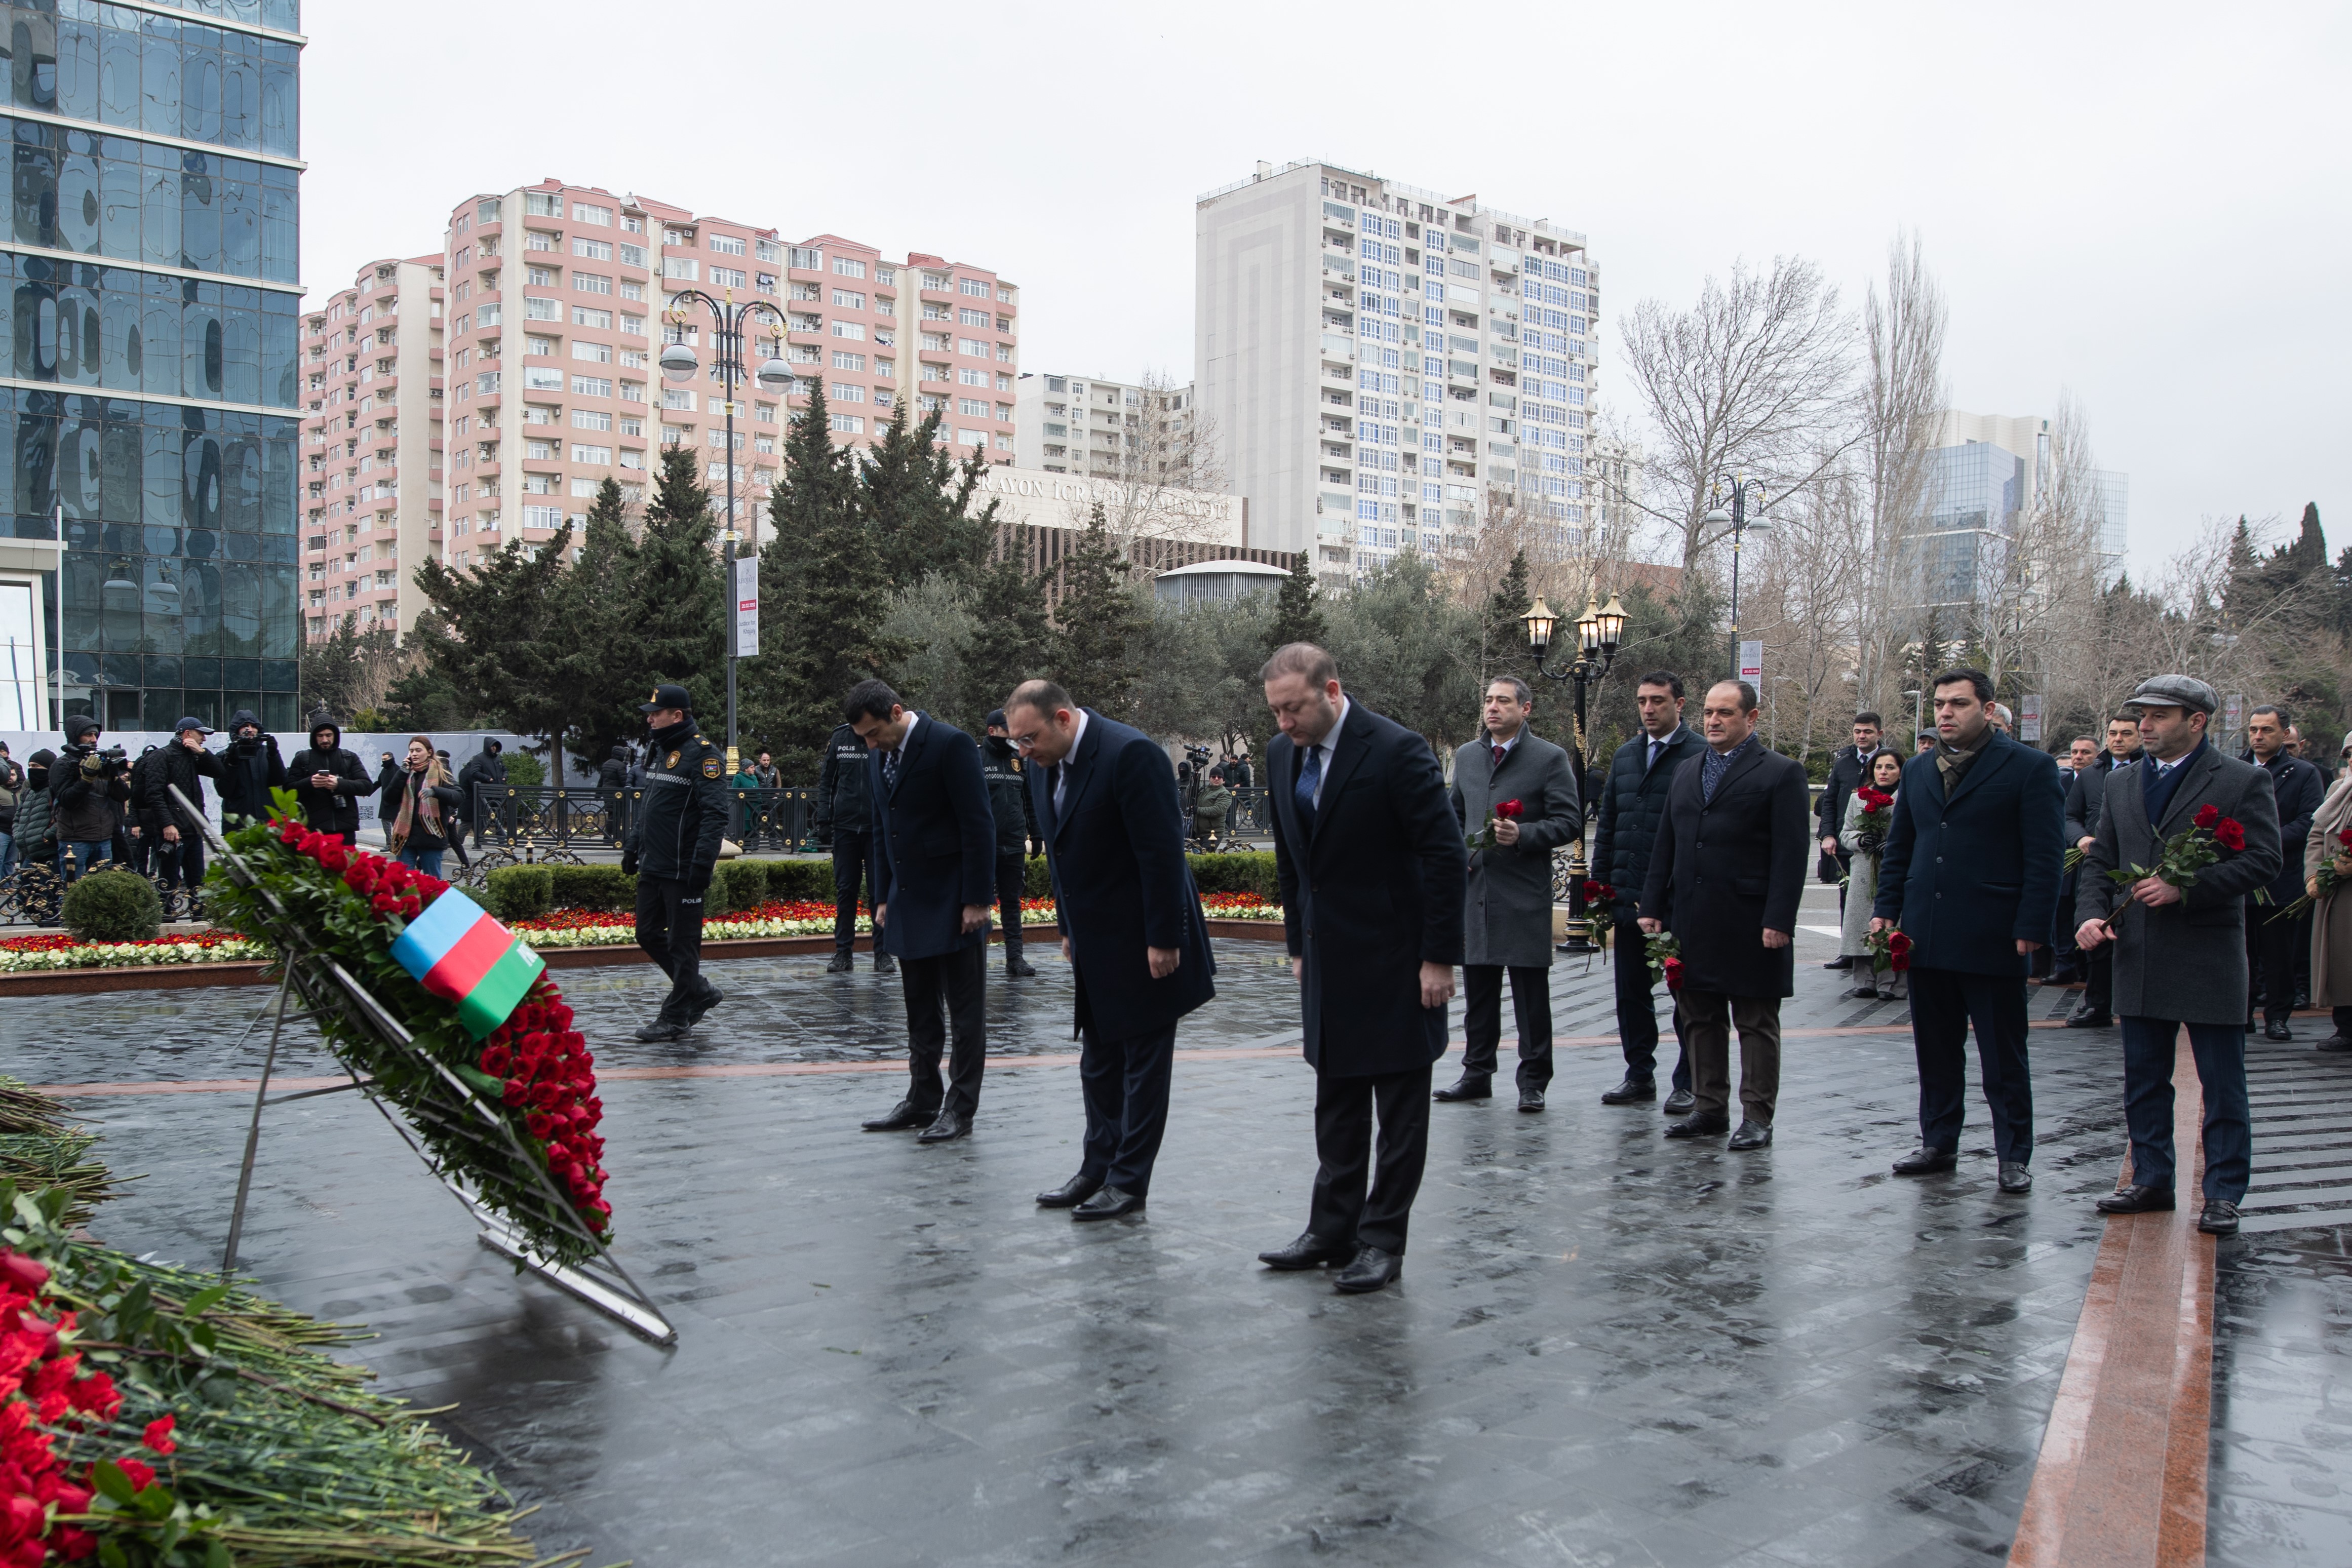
61, 943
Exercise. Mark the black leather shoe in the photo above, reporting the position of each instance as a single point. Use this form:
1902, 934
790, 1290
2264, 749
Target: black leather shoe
1070, 1193
1467, 1087
1633, 1091
901, 1117
1109, 1203
1679, 1102
1886, 995
842, 963
1019, 968
1699, 1127
2276, 1029
2220, 1218
2015, 1178
951, 1125
2138, 1200
1842, 962
1925, 1162
2336, 1043
1369, 1270
884, 964
1531, 1099
1752, 1134
1861, 992
711, 996
1309, 1251
2084, 1018
660, 1030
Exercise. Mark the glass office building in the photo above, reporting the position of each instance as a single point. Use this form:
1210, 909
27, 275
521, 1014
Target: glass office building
148, 355
1974, 493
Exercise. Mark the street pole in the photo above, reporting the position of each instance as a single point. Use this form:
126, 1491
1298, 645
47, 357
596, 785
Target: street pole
1738, 518
729, 343
58, 649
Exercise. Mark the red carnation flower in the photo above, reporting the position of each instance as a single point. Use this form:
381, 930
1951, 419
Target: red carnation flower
159, 1435
2207, 815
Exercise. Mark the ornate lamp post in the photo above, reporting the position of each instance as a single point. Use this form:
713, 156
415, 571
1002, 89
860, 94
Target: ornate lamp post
1598, 632
1740, 522
678, 364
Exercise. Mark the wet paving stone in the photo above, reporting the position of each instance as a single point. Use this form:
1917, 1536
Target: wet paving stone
1606, 1349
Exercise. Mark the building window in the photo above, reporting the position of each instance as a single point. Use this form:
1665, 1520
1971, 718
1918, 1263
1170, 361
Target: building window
849, 300
971, 378
978, 288
600, 456
591, 419
847, 392
684, 267
849, 424
726, 244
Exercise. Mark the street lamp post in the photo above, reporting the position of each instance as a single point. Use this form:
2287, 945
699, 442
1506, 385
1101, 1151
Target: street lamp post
1739, 523
1598, 632
678, 364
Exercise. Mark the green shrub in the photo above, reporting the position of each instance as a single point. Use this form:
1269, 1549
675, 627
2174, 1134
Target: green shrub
790, 880
742, 884
519, 892
113, 906
1241, 872
593, 887
1037, 879
525, 771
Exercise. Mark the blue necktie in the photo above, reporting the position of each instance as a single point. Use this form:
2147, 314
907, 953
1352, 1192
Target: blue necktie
1310, 776
890, 771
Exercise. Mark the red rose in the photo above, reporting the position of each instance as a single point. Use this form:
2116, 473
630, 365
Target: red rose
159, 1435
2207, 815
2345, 838
1674, 968
516, 1091
141, 1476
412, 906
495, 1059
1598, 892
384, 904
538, 1124
23, 1272
2230, 833
1509, 810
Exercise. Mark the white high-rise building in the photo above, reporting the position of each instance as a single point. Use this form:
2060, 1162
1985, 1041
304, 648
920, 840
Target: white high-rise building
1092, 426
1385, 365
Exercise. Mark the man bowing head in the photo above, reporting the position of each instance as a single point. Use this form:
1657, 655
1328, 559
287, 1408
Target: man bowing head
1372, 867
1130, 919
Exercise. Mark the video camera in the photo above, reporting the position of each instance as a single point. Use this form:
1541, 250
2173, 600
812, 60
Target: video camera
111, 763
1198, 755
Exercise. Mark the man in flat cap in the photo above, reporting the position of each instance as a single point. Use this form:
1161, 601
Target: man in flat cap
2181, 952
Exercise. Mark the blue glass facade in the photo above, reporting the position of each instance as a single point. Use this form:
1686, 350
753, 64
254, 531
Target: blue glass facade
148, 397
1973, 494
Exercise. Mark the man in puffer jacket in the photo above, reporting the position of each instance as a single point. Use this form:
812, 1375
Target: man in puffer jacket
84, 789
250, 768
37, 838
180, 838
329, 781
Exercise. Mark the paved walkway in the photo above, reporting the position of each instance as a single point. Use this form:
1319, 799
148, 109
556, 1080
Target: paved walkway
1606, 1348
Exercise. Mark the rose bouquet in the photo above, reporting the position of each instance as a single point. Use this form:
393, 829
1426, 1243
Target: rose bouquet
532, 1071
1889, 950
1504, 811
1665, 953
2327, 879
2189, 851
1871, 821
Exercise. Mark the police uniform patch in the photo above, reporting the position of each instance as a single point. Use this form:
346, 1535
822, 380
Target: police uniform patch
670, 761
710, 767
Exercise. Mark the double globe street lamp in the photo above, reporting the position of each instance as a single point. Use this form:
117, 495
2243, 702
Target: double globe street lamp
1598, 632
679, 364
1739, 523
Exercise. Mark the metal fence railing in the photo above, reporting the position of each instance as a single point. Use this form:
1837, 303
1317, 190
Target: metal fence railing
33, 893
526, 824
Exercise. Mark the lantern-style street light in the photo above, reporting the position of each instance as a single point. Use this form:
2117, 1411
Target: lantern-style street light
1598, 632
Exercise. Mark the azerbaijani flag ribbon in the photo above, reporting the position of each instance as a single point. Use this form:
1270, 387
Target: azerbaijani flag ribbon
456, 950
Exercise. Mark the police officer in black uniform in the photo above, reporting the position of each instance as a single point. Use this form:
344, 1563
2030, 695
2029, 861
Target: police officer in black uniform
846, 817
673, 844
1016, 824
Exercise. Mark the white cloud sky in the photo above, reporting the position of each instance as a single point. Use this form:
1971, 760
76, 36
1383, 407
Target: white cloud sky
2143, 203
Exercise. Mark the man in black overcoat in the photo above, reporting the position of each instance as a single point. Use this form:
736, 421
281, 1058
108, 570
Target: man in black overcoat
1970, 873
1131, 927
1633, 801
2273, 944
1372, 868
1725, 877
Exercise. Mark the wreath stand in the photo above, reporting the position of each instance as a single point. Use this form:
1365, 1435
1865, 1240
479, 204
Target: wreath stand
323, 988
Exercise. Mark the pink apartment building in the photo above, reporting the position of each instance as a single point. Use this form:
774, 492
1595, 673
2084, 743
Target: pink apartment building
535, 377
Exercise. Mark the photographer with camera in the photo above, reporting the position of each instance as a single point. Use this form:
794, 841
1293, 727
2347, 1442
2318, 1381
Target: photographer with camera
179, 838
87, 784
250, 769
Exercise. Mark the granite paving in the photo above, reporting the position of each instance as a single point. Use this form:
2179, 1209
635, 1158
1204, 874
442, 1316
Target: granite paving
1606, 1348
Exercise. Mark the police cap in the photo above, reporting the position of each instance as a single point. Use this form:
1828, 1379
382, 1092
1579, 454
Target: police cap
667, 697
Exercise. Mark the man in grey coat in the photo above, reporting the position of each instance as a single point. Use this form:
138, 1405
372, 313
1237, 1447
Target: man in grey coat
2181, 952
1506, 917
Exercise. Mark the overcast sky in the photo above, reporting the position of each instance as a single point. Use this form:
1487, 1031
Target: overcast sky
2143, 203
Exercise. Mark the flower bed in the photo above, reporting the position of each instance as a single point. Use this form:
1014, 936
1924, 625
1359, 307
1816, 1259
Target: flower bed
19, 954
777, 917
1239, 907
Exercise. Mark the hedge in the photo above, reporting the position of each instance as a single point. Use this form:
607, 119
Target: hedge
519, 892
113, 906
1243, 871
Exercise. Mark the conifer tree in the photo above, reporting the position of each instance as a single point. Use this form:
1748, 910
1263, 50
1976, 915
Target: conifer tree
1502, 631
675, 599
607, 676
1296, 617
917, 501
1014, 639
1100, 622
507, 659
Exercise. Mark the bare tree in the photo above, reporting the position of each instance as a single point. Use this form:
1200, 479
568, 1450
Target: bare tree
1745, 383
2044, 580
1166, 480
1903, 399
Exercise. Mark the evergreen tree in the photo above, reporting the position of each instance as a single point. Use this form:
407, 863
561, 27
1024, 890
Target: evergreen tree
1100, 623
675, 601
606, 675
1503, 634
819, 481
1015, 639
1296, 617
918, 500
331, 670
424, 699
509, 653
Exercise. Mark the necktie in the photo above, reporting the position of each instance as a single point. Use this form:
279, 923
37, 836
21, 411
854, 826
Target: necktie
890, 770
1310, 779
1656, 746
1500, 752
1061, 783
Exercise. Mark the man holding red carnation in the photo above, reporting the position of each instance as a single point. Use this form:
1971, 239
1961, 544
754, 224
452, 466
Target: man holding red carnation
1970, 873
2193, 833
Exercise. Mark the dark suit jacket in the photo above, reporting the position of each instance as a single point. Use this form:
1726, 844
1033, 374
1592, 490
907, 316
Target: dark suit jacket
936, 843
1970, 878
2298, 790
1724, 870
1121, 884
1369, 895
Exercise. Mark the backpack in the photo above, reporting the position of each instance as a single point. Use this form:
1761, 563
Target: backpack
147, 777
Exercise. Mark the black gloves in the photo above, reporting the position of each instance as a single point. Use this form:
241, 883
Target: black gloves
628, 862
697, 879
